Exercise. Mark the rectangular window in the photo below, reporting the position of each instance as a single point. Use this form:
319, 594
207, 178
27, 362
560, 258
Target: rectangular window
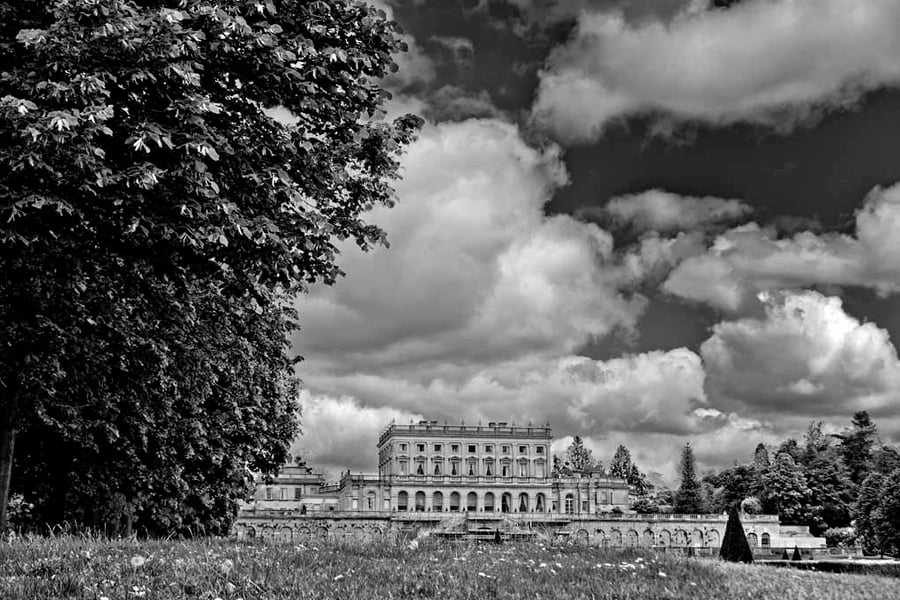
472, 448
523, 449
404, 469
420, 447
354, 504
453, 468
504, 449
437, 447
584, 506
504, 471
523, 469
402, 447
298, 493
539, 450
454, 447
270, 494
488, 448
539, 470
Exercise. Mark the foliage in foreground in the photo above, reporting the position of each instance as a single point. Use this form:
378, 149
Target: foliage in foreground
91, 569
155, 220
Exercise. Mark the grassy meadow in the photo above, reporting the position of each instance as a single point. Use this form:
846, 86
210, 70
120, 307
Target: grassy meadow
82, 568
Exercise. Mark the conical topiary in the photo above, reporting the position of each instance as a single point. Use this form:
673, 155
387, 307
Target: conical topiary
784, 555
735, 547
796, 555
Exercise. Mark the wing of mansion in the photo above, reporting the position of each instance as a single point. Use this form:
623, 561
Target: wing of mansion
476, 481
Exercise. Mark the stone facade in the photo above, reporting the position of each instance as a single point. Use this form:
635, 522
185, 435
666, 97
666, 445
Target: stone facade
472, 481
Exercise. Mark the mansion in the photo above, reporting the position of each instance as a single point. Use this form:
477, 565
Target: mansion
426, 467
474, 481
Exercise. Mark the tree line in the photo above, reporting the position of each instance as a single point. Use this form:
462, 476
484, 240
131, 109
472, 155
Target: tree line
844, 486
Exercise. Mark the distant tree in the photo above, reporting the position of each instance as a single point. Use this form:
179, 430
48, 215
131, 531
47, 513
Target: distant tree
688, 498
735, 547
867, 514
644, 506
751, 505
856, 446
761, 457
831, 493
786, 490
730, 486
885, 460
639, 482
620, 466
791, 448
579, 457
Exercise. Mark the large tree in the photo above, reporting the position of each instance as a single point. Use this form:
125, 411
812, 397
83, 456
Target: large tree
155, 220
787, 491
856, 446
580, 458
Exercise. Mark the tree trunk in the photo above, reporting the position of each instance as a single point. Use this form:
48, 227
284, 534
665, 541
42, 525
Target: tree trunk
7, 445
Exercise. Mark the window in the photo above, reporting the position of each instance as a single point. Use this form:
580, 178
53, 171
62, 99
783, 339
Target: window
420, 469
437, 468
437, 502
354, 504
454, 467
420, 447
523, 469
472, 502
584, 506
488, 468
402, 447
523, 449
270, 493
370, 501
539, 449
420, 501
298, 493
504, 470
472, 469
489, 502
539, 503
402, 500
488, 448
504, 449
473, 448
523, 502
570, 504
454, 501
765, 540
454, 447
404, 467
437, 447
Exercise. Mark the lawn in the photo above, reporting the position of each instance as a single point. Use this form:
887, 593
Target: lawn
70, 567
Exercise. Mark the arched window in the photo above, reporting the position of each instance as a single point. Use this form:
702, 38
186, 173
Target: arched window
523, 502
765, 540
472, 502
437, 502
489, 502
506, 503
454, 501
402, 501
752, 540
370, 501
570, 504
539, 504
420, 501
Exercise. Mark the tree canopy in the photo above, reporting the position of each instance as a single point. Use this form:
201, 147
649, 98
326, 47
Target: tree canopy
155, 221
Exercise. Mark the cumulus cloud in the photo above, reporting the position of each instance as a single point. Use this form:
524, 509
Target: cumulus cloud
662, 211
771, 62
415, 68
749, 259
805, 358
475, 271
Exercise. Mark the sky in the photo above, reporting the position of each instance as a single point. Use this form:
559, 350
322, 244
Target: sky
644, 222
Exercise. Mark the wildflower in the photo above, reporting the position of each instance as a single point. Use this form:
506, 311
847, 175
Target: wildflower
338, 577
226, 566
138, 561
661, 574
230, 587
413, 544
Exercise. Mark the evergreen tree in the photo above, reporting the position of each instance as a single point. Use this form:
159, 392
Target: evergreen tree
786, 490
868, 516
638, 481
761, 457
579, 457
688, 498
856, 446
620, 466
735, 547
